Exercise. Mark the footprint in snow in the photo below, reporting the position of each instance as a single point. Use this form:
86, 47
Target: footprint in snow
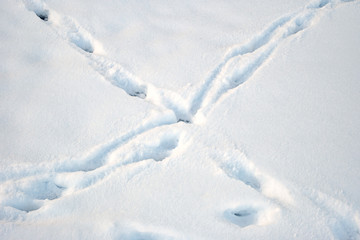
247, 215
43, 15
29, 194
243, 216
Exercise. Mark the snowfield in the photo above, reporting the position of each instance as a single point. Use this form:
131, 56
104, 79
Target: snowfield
180, 119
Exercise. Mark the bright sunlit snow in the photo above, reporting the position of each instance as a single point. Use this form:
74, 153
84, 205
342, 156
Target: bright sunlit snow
183, 119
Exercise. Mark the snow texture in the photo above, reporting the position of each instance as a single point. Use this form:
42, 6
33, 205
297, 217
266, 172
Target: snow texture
100, 138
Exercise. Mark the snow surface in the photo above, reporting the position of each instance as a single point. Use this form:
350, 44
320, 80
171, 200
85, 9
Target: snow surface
179, 119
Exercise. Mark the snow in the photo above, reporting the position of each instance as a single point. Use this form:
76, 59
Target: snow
179, 120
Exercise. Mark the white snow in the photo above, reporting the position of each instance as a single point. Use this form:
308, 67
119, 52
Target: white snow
179, 119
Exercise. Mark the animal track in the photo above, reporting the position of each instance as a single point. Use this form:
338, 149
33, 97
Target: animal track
242, 217
43, 15
66, 27
237, 166
345, 220
257, 42
241, 62
31, 192
149, 148
238, 65
72, 32
318, 4
97, 157
135, 151
248, 215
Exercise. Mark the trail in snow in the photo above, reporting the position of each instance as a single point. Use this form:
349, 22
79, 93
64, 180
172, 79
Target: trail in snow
118, 76
241, 62
72, 32
255, 43
238, 65
31, 192
345, 222
236, 165
28, 190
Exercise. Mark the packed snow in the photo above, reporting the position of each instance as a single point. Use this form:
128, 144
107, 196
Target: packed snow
180, 119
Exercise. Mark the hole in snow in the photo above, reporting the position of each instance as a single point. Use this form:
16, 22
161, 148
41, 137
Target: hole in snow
184, 120
43, 15
243, 213
243, 216
138, 94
